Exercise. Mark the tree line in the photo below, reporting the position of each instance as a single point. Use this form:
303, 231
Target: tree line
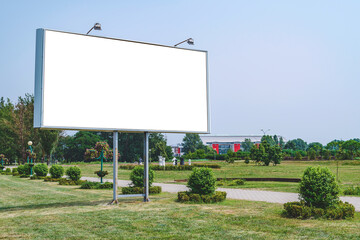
16, 129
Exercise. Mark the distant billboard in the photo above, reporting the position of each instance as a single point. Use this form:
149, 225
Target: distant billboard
94, 83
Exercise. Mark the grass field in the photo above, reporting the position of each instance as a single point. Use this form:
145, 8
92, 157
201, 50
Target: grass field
348, 174
32, 209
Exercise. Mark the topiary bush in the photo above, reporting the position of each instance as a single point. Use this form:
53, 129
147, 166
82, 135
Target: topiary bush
41, 170
202, 181
74, 173
318, 187
56, 171
24, 169
137, 176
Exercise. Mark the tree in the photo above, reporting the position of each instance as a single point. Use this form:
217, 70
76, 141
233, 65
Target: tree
48, 141
352, 147
247, 145
192, 142
7, 135
18, 121
296, 144
334, 145
316, 146
281, 143
76, 146
266, 154
157, 145
269, 139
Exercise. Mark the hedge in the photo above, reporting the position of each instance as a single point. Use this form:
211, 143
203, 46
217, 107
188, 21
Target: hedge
50, 179
201, 198
140, 190
96, 185
301, 211
64, 181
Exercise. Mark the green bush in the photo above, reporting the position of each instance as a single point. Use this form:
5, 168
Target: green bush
50, 179
24, 176
74, 173
64, 181
299, 210
318, 187
137, 176
15, 170
352, 191
24, 169
212, 165
36, 177
247, 159
41, 169
56, 171
106, 185
96, 185
202, 181
239, 182
201, 198
140, 190
90, 185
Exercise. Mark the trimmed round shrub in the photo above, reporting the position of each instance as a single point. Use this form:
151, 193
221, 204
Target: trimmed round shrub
56, 171
24, 169
202, 181
137, 176
74, 173
41, 170
318, 187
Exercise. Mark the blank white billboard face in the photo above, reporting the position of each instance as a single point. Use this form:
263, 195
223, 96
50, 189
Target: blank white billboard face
95, 83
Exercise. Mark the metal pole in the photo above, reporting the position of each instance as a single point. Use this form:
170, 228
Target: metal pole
101, 156
146, 167
115, 167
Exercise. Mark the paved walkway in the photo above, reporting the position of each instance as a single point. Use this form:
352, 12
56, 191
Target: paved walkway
251, 195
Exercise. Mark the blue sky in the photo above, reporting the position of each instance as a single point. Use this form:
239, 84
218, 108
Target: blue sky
288, 66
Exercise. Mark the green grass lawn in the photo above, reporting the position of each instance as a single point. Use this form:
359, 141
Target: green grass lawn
348, 174
32, 209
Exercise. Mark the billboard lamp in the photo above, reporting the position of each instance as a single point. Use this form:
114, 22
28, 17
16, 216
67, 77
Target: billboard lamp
190, 41
97, 26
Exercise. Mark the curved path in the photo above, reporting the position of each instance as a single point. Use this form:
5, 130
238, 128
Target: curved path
251, 195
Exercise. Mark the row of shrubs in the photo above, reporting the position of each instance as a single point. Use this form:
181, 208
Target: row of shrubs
201, 198
301, 211
171, 167
140, 190
96, 185
352, 191
237, 182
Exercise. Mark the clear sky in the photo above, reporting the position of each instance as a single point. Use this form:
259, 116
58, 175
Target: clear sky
289, 66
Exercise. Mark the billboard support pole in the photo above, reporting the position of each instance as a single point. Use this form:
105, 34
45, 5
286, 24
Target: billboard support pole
115, 167
146, 167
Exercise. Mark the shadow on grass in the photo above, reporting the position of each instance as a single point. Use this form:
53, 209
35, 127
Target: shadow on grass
78, 203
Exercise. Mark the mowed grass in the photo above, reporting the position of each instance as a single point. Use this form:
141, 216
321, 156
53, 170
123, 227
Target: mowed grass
348, 174
38, 210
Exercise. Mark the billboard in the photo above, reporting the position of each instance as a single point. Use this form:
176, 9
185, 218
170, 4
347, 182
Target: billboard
87, 82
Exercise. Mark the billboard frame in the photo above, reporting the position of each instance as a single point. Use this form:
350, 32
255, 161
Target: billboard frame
39, 88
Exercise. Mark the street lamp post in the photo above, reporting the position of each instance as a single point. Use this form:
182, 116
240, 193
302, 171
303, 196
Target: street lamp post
31, 159
264, 132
